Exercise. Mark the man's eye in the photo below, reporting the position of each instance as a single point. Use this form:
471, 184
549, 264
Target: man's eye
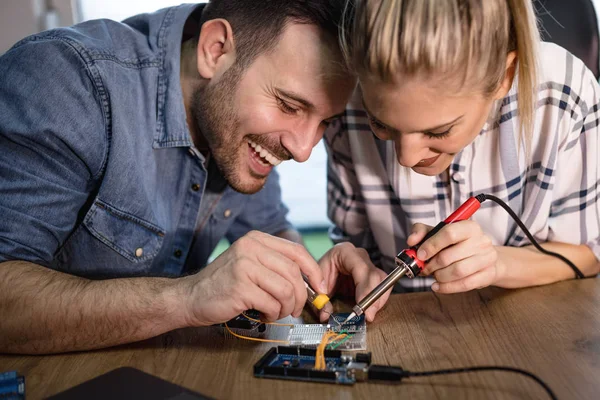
286, 107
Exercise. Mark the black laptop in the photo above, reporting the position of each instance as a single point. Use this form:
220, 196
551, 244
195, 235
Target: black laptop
128, 383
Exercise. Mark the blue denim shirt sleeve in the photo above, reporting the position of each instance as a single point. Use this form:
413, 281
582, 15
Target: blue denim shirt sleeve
47, 170
264, 211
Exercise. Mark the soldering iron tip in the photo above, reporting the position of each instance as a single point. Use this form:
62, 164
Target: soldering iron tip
352, 315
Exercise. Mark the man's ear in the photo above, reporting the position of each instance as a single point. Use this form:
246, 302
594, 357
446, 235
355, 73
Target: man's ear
509, 76
216, 49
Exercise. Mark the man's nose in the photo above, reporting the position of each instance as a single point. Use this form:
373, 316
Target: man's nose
301, 140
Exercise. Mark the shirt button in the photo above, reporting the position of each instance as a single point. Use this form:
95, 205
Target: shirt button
227, 213
177, 253
456, 177
195, 187
139, 252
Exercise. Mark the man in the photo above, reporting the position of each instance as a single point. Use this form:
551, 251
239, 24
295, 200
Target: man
128, 150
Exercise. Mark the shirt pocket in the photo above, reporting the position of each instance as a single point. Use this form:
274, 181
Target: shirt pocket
133, 238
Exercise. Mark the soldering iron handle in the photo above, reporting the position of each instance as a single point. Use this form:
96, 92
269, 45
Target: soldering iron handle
464, 212
432, 232
407, 262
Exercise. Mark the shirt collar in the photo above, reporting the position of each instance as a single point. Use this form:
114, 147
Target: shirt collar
172, 129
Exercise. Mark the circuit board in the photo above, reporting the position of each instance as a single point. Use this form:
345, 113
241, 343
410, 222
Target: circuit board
304, 335
310, 335
12, 386
297, 363
356, 324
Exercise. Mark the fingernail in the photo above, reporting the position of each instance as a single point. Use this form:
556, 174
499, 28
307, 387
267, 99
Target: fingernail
435, 287
422, 254
323, 287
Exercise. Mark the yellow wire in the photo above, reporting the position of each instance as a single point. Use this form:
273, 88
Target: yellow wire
321, 352
267, 323
254, 339
318, 352
327, 339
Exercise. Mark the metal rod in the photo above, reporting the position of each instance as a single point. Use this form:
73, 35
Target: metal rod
376, 293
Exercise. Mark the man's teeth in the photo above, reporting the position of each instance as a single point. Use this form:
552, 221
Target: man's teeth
264, 153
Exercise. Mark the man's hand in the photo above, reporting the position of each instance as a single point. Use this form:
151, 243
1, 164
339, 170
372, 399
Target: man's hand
345, 263
258, 271
460, 256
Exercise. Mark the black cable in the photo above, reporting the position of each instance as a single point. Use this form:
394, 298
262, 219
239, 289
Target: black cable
485, 368
386, 373
578, 273
396, 374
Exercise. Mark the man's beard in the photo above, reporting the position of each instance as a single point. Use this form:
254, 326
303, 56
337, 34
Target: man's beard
216, 118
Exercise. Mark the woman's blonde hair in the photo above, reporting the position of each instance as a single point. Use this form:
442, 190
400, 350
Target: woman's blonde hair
391, 40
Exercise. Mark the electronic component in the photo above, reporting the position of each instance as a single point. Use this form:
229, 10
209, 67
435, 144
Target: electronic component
337, 322
242, 325
310, 335
12, 386
297, 363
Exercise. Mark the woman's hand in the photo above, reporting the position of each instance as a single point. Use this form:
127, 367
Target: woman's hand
460, 256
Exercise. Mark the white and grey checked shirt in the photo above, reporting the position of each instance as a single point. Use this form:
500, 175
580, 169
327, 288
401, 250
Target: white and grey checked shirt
373, 201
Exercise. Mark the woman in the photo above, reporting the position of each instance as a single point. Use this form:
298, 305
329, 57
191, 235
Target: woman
456, 98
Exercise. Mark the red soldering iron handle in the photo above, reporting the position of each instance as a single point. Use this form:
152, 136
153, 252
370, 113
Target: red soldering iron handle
465, 211
409, 257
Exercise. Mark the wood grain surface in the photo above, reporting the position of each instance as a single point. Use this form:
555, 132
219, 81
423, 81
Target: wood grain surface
552, 331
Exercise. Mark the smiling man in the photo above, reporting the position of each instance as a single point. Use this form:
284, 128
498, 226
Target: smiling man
128, 150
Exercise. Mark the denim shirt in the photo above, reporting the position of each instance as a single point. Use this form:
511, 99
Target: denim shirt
98, 173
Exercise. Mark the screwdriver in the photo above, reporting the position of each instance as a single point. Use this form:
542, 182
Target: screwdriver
407, 262
314, 298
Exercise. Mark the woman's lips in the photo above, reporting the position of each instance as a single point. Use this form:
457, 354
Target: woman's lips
428, 161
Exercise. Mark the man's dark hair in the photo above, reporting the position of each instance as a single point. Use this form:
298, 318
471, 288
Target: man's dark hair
258, 24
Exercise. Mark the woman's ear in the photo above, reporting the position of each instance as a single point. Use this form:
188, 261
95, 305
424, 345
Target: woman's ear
216, 48
509, 76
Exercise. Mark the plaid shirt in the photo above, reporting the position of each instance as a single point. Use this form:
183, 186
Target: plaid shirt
373, 201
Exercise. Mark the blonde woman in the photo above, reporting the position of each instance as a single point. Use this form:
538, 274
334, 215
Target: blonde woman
457, 98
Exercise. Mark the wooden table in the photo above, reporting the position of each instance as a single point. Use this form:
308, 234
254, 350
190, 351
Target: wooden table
552, 331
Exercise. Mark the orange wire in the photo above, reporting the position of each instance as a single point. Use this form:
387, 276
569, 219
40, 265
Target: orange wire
319, 354
328, 338
254, 339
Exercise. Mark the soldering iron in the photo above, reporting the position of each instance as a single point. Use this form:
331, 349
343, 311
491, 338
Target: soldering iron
407, 262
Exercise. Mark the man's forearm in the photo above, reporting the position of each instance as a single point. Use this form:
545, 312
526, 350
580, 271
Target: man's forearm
526, 266
44, 311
